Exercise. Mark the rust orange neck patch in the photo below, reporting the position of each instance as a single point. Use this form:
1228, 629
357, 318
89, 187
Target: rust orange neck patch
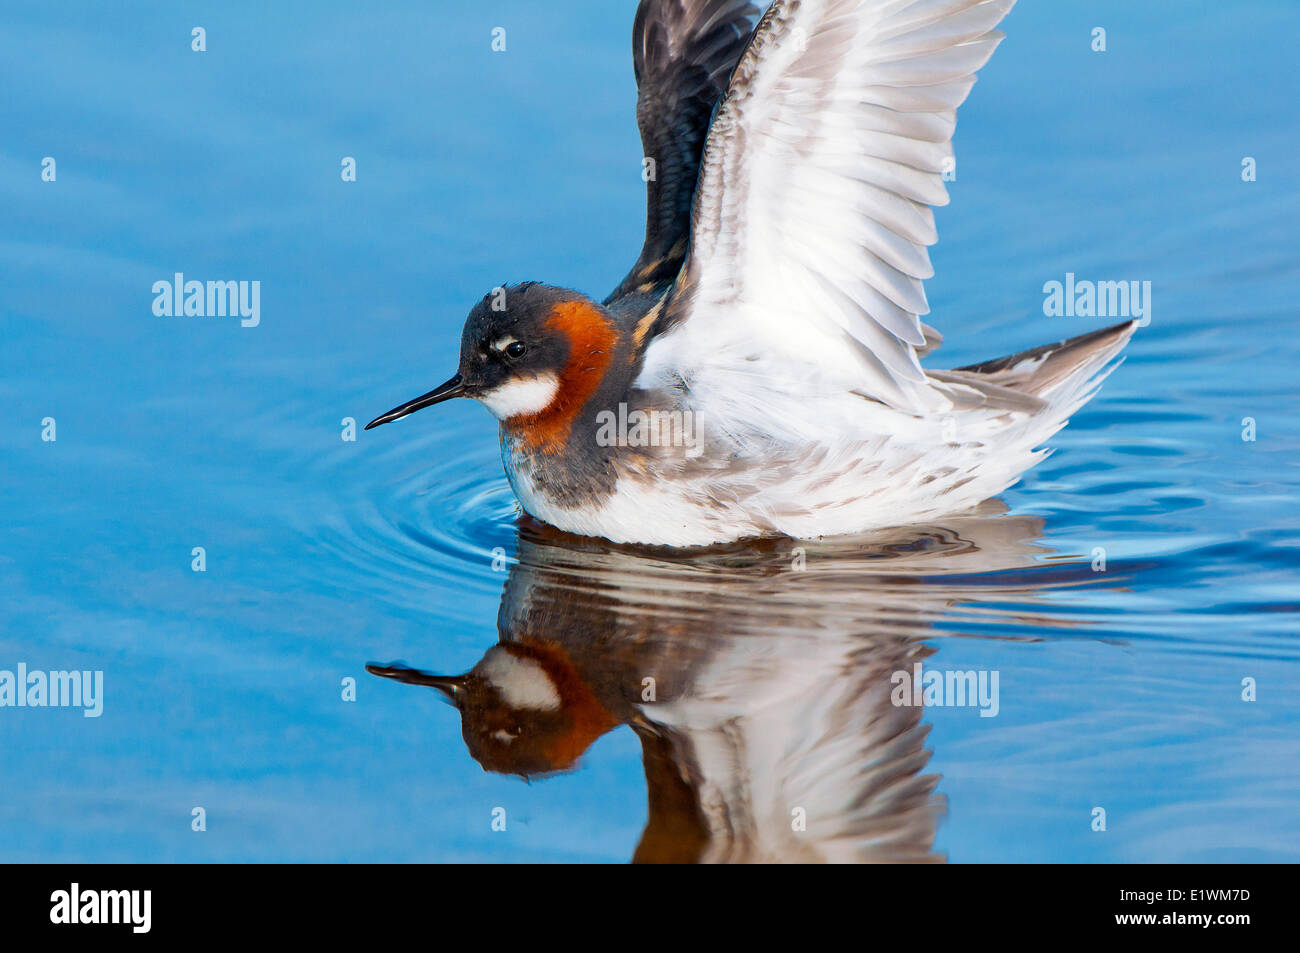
592, 338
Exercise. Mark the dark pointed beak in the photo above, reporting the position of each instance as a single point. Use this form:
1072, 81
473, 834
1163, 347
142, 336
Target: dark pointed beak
453, 388
452, 686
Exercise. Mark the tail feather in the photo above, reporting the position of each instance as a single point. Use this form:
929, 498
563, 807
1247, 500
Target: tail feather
1040, 371
1015, 404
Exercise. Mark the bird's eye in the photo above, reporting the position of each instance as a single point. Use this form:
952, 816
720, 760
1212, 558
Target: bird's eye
515, 350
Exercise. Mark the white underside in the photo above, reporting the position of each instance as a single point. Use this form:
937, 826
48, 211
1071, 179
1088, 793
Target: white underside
836, 465
885, 490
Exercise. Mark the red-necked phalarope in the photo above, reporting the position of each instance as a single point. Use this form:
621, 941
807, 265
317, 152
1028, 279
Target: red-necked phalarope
757, 372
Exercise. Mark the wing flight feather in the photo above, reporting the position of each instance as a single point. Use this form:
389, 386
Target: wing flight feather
814, 209
683, 52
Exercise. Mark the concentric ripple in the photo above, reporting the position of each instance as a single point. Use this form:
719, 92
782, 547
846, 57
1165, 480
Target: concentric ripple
427, 516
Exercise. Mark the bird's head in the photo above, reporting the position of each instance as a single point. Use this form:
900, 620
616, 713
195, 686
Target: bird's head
531, 354
524, 707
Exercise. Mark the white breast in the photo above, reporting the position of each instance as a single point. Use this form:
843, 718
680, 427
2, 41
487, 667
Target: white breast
857, 466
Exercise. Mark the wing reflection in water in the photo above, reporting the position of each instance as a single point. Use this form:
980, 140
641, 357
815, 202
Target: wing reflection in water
757, 677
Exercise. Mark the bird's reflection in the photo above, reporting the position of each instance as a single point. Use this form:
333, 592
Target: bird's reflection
757, 678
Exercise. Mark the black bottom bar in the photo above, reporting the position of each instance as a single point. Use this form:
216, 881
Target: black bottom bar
330, 903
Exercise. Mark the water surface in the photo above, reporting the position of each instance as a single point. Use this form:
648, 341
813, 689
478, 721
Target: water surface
1120, 688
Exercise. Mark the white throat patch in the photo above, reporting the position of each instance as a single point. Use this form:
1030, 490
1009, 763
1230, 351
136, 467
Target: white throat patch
521, 396
522, 682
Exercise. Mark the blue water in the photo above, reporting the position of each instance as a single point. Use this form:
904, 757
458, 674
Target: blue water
1119, 689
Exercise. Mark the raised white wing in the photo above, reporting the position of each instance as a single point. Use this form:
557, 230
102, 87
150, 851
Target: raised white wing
813, 211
